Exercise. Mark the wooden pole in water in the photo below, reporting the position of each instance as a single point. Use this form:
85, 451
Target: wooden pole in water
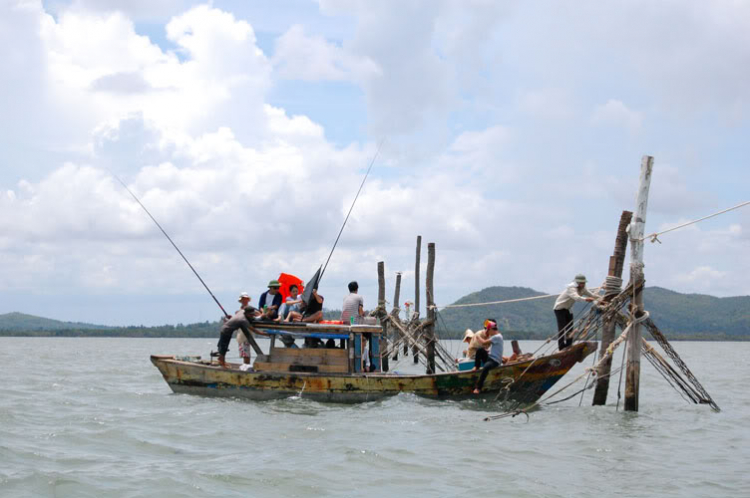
396, 308
382, 315
414, 350
430, 295
616, 264
637, 228
397, 292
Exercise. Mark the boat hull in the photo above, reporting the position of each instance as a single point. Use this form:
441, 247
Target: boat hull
203, 378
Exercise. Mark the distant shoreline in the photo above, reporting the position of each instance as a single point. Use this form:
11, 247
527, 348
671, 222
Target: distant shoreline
145, 334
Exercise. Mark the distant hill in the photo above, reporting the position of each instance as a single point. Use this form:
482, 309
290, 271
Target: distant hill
21, 321
679, 316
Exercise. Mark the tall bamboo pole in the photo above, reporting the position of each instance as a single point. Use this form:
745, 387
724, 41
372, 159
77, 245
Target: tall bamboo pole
397, 292
395, 310
616, 264
637, 229
414, 350
382, 315
430, 295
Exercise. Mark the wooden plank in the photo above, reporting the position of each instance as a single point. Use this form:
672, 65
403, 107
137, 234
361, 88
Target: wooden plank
285, 367
375, 343
305, 352
306, 328
357, 352
315, 360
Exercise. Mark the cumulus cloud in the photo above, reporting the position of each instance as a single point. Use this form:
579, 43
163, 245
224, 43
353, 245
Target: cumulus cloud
248, 190
547, 103
615, 113
312, 58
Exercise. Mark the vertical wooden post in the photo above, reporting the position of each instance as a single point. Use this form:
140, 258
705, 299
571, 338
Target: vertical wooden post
416, 275
637, 228
396, 308
430, 295
382, 314
414, 350
397, 292
616, 264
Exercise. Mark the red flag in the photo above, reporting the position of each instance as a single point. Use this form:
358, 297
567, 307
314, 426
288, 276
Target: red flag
287, 281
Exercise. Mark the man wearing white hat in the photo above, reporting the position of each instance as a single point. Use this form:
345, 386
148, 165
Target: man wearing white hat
575, 291
242, 343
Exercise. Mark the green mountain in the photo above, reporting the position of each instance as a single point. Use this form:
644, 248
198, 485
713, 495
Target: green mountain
20, 321
679, 316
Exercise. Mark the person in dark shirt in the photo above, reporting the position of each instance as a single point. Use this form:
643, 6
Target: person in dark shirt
241, 321
314, 309
270, 301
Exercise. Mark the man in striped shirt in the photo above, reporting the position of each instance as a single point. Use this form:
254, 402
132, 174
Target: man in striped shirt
354, 305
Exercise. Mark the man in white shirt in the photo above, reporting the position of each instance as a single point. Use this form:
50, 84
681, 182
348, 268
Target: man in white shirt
575, 291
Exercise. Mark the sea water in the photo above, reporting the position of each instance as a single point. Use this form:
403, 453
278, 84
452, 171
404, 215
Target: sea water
84, 417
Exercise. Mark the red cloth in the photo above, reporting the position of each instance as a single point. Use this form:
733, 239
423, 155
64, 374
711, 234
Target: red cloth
287, 281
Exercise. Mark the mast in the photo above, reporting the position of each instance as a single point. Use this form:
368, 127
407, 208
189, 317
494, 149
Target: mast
637, 228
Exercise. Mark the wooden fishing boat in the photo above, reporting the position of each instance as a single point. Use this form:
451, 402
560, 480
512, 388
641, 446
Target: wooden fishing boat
335, 375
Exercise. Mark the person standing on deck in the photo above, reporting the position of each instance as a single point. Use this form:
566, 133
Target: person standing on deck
575, 291
241, 322
270, 301
495, 357
354, 305
242, 343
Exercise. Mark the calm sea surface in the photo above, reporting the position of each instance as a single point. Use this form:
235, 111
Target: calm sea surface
94, 418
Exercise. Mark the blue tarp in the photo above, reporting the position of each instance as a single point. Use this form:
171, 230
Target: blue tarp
318, 335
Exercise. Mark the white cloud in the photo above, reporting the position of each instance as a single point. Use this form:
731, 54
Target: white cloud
509, 190
703, 275
547, 103
615, 113
312, 58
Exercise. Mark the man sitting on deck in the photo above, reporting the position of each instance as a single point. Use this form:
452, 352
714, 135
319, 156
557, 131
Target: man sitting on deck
575, 291
314, 309
353, 307
270, 301
494, 357
480, 341
241, 321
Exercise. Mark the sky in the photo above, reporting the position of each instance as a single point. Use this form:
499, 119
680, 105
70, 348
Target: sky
512, 135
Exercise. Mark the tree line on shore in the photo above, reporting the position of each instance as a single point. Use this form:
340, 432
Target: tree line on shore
680, 316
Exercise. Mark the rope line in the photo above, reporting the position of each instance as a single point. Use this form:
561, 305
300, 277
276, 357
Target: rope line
521, 299
655, 236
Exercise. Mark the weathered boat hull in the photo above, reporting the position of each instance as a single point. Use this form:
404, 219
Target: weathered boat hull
203, 378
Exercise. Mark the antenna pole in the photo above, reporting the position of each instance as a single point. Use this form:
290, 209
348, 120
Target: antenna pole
377, 151
172, 242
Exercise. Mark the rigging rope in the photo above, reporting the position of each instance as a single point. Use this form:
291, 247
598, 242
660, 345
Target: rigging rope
532, 298
655, 236
377, 151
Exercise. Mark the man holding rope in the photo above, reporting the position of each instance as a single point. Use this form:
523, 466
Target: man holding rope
575, 291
